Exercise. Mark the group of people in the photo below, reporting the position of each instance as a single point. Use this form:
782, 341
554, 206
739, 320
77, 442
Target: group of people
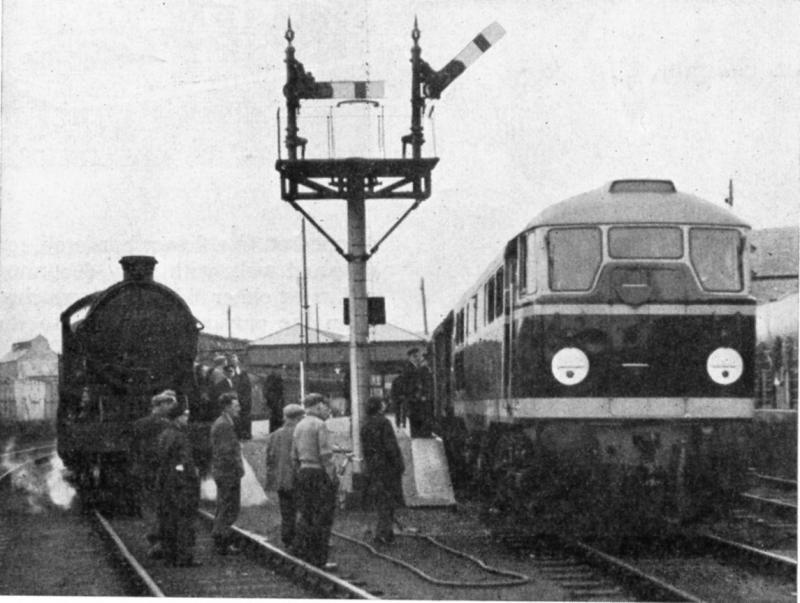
169, 481
301, 468
412, 394
226, 376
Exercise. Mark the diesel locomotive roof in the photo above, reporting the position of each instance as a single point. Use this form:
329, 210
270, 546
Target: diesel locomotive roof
635, 201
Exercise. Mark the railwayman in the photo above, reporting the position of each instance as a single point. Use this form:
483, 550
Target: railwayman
281, 470
384, 468
411, 394
144, 449
316, 484
244, 391
179, 490
227, 469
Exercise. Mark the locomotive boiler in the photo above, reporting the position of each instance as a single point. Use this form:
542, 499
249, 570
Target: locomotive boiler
120, 346
598, 376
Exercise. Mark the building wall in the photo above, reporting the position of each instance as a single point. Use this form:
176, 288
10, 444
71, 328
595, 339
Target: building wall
328, 368
29, 399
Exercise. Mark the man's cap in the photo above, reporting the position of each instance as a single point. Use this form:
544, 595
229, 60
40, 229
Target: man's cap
176, 411
313, 399
227, 398
163, 398
293, 410
412, 351
373, 405
220, 359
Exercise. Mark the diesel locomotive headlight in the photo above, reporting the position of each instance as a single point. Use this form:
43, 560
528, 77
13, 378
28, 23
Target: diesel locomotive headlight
570, 366
724, 366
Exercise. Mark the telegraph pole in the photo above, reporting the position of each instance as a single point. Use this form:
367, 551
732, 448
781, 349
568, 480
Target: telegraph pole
357, 179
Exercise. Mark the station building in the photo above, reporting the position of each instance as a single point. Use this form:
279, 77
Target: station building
325, 360
29, 382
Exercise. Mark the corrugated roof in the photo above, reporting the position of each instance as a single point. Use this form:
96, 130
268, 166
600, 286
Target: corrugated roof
775, 251
291, 335
389, 332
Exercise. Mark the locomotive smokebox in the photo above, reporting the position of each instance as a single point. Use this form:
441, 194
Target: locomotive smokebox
138, 268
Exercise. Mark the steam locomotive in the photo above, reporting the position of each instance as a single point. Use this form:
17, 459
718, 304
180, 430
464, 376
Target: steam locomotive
598, 376
120, 346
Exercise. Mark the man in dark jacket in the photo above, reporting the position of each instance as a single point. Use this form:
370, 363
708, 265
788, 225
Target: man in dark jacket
146, 463
384, 468
409, 393
179, 489
227, 469
273, 396
281, 470
244, 391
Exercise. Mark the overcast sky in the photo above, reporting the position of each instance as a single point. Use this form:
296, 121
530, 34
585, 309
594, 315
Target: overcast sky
144, 127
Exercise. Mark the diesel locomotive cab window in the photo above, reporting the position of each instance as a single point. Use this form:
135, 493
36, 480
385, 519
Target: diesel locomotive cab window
645, 242
715, 254
574, 255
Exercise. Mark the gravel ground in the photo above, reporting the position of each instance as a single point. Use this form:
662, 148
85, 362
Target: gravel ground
456, 529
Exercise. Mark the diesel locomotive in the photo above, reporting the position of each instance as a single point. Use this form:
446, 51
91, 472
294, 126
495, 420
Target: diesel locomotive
599, 376
120, 346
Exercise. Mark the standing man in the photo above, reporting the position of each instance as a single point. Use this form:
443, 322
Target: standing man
384, 468
407, 395
273, 395
316, 482
145, 453
244, 391
179, 487
281, 470
227, 469
425, 400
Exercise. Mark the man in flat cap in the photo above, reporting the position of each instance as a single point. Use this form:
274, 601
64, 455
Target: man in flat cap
179, 489
281, 470
316, 483
144, 453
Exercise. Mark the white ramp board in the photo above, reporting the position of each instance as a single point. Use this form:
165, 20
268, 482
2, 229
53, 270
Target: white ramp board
426, 481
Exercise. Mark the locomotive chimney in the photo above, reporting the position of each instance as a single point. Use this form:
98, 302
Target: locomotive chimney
138, 267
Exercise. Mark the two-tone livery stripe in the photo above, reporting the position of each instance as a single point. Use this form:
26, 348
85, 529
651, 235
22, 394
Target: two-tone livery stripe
703, 309
667, 408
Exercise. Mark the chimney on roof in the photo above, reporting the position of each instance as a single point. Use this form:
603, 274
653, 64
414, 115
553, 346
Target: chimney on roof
138, 267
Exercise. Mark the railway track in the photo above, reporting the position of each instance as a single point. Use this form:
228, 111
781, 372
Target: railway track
35, 533
587, 573
261, 571
697, 567
774, 496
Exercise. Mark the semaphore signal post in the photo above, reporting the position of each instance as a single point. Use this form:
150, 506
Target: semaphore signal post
356, 179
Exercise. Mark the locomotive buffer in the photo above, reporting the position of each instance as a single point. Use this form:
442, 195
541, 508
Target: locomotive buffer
357, 179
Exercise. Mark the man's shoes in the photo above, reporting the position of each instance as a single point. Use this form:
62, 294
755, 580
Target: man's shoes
232, 549
330, 566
